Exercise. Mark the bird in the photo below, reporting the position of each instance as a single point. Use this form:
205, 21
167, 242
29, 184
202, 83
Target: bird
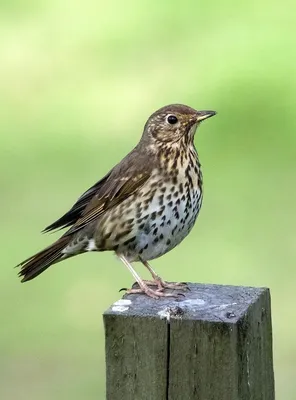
142, 208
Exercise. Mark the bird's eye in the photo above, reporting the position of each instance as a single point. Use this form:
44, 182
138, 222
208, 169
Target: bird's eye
172, 119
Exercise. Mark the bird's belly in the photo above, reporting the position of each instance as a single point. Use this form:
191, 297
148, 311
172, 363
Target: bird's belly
165, 227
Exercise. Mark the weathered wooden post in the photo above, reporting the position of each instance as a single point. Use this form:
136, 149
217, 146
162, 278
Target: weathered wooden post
213, 344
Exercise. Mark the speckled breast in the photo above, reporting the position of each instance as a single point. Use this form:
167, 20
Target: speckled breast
165, 212
159, 216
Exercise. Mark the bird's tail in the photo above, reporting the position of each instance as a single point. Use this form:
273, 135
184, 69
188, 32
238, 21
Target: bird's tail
35, 265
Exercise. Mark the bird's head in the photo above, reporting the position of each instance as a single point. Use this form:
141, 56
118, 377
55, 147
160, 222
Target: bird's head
171, 123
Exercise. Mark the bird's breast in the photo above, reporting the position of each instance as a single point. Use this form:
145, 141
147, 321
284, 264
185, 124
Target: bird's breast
165, 213
156, 218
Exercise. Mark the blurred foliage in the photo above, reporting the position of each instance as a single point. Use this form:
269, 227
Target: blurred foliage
77, 83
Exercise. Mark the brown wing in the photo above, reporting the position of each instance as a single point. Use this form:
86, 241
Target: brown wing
122, 181
116, 189
77, 210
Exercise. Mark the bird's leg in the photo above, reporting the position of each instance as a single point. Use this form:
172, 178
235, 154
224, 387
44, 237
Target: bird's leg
143, 286
158, 281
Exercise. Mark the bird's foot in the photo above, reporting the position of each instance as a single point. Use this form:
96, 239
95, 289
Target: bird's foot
161, 284
155, 294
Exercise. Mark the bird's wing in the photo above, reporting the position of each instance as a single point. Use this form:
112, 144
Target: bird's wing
116, 189
122, 181
77, 210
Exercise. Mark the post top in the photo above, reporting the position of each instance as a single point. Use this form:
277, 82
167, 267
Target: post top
208, 302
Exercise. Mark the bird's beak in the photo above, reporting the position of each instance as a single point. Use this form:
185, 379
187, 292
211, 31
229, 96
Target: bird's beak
201, 115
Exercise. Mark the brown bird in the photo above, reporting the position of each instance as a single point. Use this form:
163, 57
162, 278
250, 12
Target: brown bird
144, 207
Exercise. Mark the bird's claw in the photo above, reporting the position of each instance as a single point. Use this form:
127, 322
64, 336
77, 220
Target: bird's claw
155, 294
167, 285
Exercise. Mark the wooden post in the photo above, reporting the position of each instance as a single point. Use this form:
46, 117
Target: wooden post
215, 343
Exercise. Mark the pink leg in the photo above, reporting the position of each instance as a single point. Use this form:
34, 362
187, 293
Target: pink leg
157, 280
155, 294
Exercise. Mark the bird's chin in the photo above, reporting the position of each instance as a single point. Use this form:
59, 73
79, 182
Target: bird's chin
192, 130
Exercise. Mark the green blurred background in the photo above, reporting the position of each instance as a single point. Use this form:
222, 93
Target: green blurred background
77, 83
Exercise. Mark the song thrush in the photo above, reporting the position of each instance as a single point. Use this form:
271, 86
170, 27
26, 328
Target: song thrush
144, 207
